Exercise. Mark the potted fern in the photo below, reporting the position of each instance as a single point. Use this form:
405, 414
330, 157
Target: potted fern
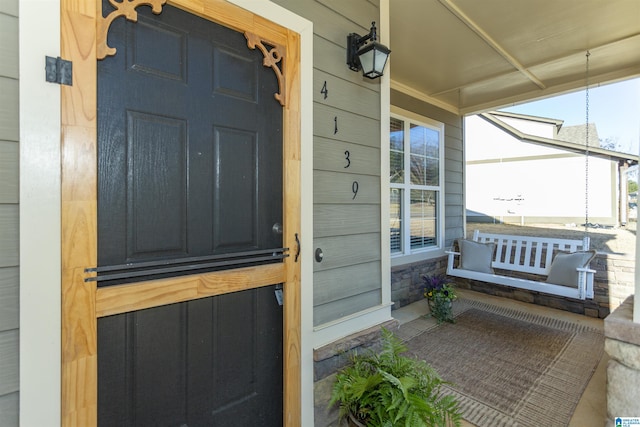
387, 389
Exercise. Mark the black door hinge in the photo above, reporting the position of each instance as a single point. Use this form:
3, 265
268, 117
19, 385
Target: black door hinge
58, 70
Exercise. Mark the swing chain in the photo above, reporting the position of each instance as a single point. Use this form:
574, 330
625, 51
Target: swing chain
586, 166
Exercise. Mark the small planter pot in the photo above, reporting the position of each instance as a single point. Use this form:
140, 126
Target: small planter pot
353, 421
441, 310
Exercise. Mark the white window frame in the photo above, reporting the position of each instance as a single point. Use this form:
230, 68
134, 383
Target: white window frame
407, 255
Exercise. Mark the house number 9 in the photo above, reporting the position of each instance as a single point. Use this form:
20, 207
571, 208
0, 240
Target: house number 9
354, 189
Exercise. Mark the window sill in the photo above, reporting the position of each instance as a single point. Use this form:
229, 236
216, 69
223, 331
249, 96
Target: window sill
428, 254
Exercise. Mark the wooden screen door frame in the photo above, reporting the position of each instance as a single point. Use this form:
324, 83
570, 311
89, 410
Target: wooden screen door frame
82, 39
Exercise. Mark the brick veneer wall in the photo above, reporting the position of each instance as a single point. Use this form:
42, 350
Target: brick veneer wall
406, 280
613, 283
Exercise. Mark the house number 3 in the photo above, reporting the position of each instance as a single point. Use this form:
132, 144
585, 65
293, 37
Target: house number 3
346, 157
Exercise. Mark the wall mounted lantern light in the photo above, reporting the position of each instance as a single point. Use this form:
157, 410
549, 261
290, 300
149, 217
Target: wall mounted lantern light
371, 58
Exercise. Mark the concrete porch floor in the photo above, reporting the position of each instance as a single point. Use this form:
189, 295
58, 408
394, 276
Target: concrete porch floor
592, 408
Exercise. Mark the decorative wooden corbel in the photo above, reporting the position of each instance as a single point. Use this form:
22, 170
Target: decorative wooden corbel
126, 8
271, 59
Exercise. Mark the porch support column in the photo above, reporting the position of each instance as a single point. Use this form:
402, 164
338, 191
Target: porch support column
636, 300
623, 179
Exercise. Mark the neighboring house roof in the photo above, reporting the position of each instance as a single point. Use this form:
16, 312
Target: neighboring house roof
577, 135
570, 138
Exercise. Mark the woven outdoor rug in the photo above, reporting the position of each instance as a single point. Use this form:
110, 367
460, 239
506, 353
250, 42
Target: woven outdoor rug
508, 368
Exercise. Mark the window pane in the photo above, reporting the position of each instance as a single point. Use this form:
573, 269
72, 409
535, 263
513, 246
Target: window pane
396, 220
424, 141
423, 221
417, 138
396, 153
424, 171
396, 132
425, 155
396, 167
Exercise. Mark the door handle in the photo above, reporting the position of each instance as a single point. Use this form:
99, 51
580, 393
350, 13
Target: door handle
298, 249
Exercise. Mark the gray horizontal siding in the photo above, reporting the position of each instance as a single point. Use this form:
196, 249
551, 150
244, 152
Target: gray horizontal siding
9, 410
341, 252
336, 188
331, 58
9, 119
346, 96
8, 235
9, 161
346, 118
9, 212
329, 23
340, 283
331, 156
9, 298
9, 7
9, 46
340, 220
9, 362
327, 312
352, 127
360, 11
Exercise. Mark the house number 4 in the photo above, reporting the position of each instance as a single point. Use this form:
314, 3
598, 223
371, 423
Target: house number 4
324, 91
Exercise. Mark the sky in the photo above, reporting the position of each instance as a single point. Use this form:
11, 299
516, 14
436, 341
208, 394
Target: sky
614, 108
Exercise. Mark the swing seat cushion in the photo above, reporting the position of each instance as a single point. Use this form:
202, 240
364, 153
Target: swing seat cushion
564, 267
475, 256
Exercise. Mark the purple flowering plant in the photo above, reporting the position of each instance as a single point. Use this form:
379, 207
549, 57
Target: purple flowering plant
440, 294
438, 287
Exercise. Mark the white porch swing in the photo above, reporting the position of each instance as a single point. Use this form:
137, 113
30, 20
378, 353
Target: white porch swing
548, 265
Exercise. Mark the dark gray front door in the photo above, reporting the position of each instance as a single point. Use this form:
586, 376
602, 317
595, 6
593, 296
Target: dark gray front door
189, 181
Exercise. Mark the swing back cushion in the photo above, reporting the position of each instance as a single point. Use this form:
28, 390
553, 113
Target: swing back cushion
476, 256
564, 267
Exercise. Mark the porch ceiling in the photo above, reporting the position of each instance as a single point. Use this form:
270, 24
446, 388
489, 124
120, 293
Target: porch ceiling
469, 56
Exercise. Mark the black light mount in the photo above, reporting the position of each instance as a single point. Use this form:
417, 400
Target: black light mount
371, 58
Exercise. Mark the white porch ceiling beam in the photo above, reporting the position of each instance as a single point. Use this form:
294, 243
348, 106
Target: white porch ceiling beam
593, 49
454, 9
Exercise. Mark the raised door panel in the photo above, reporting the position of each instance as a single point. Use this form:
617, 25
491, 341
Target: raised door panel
190, 152
215, 361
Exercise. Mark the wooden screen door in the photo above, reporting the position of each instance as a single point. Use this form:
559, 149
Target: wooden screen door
180, 217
